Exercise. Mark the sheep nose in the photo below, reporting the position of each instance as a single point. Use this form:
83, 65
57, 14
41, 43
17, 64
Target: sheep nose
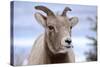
68, 41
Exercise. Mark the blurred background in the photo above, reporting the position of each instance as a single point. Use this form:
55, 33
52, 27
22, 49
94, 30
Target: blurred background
26, 30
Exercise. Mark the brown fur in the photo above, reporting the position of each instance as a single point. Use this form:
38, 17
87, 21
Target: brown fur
41, 54
51, 47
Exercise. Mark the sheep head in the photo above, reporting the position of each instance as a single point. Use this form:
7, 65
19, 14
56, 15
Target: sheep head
57, 29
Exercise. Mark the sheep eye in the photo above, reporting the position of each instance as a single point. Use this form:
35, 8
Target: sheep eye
50, 27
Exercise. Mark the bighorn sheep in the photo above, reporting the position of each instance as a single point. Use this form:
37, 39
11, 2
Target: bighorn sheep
54, 46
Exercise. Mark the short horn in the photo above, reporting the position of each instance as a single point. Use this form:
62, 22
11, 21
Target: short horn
65, 11
45, 9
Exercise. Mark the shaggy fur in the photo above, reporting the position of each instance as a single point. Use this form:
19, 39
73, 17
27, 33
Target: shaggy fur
40, 54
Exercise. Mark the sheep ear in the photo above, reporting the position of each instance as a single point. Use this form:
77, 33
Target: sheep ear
41, 19
74, 21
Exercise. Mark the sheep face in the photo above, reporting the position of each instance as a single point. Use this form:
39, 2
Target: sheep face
58, 34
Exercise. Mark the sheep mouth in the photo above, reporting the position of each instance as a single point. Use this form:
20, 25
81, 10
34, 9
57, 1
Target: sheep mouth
65, 49
69, 46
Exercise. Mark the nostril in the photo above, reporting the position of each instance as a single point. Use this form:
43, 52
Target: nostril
68, 41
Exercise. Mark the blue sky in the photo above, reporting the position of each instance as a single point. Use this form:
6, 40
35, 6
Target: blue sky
27, 29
